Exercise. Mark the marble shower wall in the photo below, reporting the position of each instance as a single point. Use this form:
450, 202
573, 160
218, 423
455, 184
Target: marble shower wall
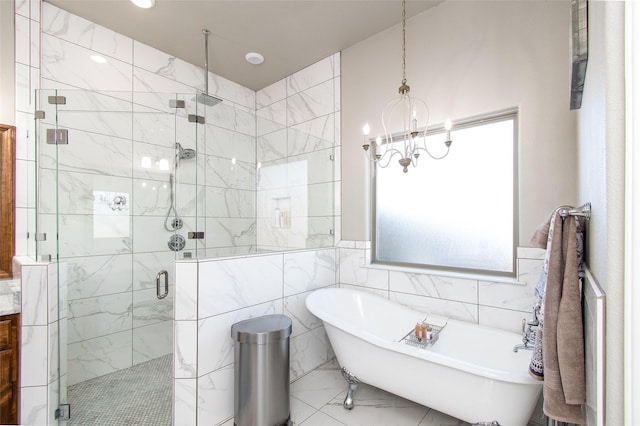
213, 294
27, 67
298, 138
122, 134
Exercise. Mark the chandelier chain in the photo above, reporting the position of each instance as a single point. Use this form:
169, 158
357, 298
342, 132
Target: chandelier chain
410, 112
404, 72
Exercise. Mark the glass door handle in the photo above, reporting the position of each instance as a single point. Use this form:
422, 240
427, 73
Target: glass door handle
166, 284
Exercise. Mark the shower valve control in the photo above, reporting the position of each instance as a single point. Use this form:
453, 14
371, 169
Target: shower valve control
119, 202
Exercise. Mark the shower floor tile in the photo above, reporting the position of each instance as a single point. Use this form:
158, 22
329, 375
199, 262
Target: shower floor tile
137, 396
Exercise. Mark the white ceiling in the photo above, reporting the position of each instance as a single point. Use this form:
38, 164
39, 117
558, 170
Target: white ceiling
291, 34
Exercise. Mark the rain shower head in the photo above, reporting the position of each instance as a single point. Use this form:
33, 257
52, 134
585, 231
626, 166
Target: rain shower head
206, 99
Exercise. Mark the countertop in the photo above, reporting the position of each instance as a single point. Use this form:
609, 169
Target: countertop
9, 297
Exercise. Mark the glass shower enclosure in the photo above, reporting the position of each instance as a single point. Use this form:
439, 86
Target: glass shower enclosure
127, 183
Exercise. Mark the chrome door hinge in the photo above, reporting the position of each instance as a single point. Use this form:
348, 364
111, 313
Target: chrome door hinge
63, 412
57, 100
57, 136
196, 119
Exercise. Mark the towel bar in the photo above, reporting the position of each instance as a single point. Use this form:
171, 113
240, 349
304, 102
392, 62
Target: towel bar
584, 211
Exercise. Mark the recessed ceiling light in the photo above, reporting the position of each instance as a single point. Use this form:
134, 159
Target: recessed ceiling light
254, 58
145, 4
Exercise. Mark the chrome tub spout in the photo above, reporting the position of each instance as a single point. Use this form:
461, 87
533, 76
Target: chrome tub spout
529, 334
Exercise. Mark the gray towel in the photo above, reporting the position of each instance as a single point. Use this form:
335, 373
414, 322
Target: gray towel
562, 336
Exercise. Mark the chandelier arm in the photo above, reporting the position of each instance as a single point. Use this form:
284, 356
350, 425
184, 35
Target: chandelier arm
367, 153
387, 111
425, 149
414, 161
388, 156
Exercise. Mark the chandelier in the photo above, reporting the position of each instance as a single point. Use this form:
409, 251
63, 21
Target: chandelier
411, 115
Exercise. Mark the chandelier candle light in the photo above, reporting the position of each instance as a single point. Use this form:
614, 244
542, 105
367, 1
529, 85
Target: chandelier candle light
413, 113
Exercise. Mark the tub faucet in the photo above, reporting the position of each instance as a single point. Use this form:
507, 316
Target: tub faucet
528, 332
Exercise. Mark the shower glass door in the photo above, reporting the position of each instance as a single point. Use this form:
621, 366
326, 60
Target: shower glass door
116, 180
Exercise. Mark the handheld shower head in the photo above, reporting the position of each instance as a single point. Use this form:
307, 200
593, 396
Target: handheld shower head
184, 153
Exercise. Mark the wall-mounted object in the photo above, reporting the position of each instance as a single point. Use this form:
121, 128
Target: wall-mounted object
579, 50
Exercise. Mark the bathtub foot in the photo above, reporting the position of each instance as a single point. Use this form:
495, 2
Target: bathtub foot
486, 424
353, 381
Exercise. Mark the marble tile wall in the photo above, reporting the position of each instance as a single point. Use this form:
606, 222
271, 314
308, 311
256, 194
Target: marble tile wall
213, 294
40, 321
118, 115
27, 69
298, 128
494, 303
41, 324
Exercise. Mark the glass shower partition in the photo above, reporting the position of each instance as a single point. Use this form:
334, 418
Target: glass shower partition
116, 204
129, 182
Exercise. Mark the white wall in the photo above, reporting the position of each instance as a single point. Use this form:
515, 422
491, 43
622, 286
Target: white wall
632, 207
467, 58
601, 181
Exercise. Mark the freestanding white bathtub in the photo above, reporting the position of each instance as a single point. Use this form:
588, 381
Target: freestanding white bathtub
471, 372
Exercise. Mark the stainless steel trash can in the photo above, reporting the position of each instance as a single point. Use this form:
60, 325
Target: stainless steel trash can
261, 396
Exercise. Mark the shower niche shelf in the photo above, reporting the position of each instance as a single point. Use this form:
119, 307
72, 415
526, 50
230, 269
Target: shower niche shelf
281, 209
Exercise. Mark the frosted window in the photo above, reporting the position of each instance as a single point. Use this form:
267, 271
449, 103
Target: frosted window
452, 213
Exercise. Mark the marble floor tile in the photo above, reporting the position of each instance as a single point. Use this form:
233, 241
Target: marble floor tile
321, 419
374, 406
320, 386
300, 411
436, 418
316, 399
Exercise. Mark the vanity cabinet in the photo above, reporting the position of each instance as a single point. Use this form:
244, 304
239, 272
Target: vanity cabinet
9, 368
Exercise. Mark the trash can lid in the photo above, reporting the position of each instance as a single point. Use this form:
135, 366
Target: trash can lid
262, 330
